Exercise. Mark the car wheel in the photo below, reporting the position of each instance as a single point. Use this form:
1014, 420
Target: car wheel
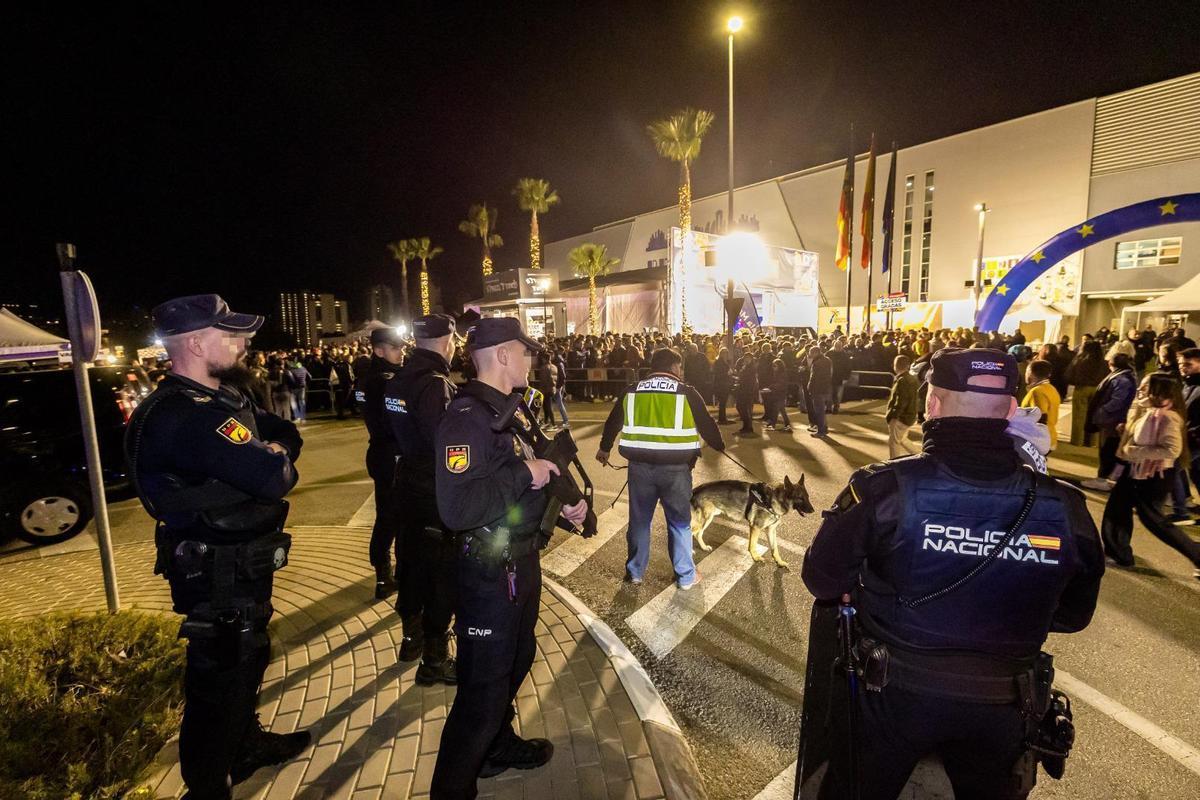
50, 514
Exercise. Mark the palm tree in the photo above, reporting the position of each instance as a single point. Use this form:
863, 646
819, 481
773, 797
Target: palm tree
479, 224
426, 252
535, 196
404, 251
590, 261
678, 138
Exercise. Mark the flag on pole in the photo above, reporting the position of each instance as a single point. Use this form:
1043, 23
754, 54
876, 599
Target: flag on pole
889, 213
868, 211
845, 216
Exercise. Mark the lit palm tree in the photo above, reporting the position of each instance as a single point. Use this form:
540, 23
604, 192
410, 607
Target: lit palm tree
426, 252
678, 138
479, 224
535, 196
591, 261
404, 251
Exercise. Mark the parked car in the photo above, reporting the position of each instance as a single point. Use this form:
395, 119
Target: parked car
44, 493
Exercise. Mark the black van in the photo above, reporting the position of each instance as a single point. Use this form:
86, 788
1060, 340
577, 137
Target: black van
44, 495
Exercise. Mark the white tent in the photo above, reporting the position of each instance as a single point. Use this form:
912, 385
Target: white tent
23, 341
1184, 298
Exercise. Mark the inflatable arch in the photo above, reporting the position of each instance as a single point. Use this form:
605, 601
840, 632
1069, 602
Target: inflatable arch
1147, 214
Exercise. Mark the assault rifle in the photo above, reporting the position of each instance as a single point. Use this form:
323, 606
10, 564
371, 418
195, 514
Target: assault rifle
562, 450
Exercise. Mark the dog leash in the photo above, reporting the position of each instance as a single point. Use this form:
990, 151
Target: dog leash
749, 471
617, 499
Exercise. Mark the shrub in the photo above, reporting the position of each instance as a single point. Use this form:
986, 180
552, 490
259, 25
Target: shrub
85, 702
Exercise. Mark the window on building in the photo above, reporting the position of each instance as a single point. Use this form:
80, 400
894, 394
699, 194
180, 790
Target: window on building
906, 247
926, 238
1149, 253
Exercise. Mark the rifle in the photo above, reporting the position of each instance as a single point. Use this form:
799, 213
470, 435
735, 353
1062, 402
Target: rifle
562, 450
849, 663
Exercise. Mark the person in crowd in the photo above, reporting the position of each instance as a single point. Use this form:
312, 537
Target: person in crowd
901, 408
1084, 374
1151, 441
746, 393
1107, 412
698, 372
840, 373
545, 381
820, 389
1043, 396
279, 388
297, 377
775, 399
722, 385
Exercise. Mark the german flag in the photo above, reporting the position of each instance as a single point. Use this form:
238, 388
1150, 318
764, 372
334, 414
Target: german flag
1044, 542
845, 218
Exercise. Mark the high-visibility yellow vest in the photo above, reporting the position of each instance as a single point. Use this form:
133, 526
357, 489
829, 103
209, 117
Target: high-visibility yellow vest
657, 417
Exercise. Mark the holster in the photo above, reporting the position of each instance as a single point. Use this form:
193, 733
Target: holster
1049, 725
497, 545
237, 628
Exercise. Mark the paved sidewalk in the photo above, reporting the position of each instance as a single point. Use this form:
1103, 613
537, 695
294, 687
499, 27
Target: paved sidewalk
376, 732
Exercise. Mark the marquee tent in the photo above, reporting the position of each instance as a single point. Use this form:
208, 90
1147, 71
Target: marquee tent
23, 341
1184, 298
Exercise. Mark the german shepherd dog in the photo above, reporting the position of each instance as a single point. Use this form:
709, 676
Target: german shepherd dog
762, 506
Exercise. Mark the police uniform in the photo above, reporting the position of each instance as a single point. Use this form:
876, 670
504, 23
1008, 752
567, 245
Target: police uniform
661, 420
414, 401
484, 494
951, 616
202, 467
381, 458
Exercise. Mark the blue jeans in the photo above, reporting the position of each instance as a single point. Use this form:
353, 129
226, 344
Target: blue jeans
819, 404
671, 484
300, 402
562, 406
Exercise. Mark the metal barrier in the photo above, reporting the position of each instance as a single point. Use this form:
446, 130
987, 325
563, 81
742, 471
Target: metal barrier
867, 384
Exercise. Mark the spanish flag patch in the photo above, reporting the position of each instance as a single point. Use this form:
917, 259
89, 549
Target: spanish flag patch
458, 458
1044, 542
235, 431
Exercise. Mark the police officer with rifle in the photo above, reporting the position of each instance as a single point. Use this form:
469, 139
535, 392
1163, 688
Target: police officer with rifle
414, 401
494, 492
213, 469
938, 577
387, 352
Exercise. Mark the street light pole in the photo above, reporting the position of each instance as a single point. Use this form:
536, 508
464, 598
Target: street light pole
976, 285
733, 25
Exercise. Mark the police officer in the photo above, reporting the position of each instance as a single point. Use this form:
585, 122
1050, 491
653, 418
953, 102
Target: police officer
415, 400
490, 489
661, 420
213, 469
387, 351
959, 561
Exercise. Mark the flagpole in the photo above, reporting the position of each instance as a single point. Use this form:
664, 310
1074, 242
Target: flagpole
870, 236
850, 228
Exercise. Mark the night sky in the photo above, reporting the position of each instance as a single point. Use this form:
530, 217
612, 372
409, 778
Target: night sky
251, 148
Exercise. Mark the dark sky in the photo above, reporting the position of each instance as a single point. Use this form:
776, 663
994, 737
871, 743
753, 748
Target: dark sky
248, 148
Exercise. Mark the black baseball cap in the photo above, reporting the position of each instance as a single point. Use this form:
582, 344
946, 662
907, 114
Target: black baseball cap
491, 331
386, 335
433, 326
953, 367
198, 311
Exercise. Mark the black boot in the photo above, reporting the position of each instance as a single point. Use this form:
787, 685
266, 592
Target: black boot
510, 751
413, 641
263, 749
385, 582
437, 666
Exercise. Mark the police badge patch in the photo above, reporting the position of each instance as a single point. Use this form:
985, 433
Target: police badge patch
235, 431
458, 458
522, 419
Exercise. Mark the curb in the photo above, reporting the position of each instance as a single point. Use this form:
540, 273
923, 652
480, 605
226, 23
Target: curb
669, 749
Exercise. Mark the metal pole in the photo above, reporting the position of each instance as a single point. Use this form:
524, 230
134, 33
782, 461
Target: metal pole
850, 228
91, 445
729, 223
977, 283
729, 318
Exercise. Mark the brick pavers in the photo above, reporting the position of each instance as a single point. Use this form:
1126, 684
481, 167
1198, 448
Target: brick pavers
335, 672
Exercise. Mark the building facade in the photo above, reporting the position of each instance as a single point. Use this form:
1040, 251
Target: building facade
309, 316
380, 303
1038, 175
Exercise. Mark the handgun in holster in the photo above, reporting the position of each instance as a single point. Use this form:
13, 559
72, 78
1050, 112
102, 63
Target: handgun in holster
563, 488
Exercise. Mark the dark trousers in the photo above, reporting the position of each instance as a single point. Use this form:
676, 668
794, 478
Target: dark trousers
1146, 498
817, 403
495, 651
776, 408
979, 745
381, 467
220, 690
745, 410
1109, 440
427, 577
722, 398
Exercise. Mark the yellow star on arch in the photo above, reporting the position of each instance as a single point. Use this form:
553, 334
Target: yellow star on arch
1168, 208
1085, 230
1001, 289
1038, 257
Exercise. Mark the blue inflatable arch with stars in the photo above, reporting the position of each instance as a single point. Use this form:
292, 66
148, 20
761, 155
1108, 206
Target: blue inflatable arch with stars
1147, 214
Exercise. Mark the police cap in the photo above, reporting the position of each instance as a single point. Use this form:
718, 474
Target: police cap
386, 335
953, 367
433, 326
491, 331
198, 311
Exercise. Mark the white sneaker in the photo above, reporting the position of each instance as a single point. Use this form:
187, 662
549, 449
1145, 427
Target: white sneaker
683, 587
1099, 484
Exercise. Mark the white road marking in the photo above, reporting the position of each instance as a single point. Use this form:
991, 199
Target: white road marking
671, 615
570, 555
365, 516
1173, 746
781, 787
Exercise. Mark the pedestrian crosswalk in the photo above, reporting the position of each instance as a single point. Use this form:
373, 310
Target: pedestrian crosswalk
570, 555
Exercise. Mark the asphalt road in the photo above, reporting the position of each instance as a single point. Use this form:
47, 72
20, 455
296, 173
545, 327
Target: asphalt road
729, 658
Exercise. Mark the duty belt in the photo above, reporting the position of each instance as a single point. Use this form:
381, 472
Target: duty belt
970, 678
498, 543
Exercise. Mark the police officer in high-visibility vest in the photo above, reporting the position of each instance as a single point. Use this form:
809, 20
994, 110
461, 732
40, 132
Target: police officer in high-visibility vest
952, 567
662, 421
